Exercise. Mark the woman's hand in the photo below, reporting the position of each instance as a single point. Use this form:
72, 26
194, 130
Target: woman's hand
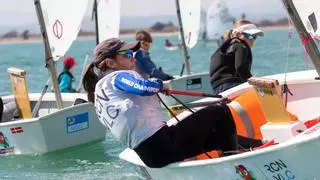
166, 90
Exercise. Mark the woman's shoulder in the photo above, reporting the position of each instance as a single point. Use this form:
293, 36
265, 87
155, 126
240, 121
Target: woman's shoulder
127, 73
236, 44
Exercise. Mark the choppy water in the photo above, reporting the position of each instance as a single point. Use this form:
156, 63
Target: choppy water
90, 161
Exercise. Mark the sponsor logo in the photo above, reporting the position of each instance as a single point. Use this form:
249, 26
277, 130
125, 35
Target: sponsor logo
243, 172
192, 84
77, 122
139, 86
5, 147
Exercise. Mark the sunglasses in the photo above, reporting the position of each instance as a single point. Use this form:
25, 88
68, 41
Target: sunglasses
252, 37
126, 53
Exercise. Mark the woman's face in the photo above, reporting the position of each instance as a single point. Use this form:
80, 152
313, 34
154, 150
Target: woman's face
125, 60
71, 69
145, 45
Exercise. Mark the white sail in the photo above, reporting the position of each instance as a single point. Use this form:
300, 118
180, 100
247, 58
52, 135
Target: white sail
108, 19
190, 15
310, 15
203, 25
218, 20
62, 24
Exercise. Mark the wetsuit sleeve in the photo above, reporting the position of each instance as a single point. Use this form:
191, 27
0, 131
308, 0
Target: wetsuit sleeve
128, 82
242, 61
144, 62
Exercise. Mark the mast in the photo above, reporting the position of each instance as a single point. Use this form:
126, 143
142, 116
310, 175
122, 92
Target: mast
50, 64
95, 13
311, 46
186, 65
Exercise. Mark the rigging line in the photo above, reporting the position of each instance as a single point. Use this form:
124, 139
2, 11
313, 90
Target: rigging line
168, 109
290, 35
184, 105
285, 89
37, 106
206, 153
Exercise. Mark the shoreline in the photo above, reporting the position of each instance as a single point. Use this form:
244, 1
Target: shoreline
38, 39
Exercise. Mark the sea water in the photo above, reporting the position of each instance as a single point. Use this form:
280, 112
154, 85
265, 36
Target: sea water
276, 52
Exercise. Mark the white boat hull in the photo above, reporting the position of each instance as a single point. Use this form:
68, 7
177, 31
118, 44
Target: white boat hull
171, 48
291, 159
53, 129
199, 82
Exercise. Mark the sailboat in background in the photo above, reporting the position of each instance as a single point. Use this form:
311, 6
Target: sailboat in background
188, 13
203, 24
107, 19
218, 20
50, 121
297, 142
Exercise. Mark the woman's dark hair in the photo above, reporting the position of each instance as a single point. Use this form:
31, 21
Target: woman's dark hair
90, 78
104, 50
102, 54
143, 35
89, 82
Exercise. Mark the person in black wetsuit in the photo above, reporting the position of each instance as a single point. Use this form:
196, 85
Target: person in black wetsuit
168, 43
231, 62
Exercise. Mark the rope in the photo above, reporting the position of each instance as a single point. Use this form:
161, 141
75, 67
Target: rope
286, 89
177, 117
184, 105
168, 109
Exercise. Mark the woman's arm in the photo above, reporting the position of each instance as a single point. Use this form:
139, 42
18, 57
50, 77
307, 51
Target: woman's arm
242, 61
131, 83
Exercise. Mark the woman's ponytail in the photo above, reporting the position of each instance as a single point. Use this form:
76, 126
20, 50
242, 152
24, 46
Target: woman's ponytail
89, 82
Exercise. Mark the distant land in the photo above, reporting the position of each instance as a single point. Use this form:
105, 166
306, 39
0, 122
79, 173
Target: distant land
88, 24
127, 23
158, 28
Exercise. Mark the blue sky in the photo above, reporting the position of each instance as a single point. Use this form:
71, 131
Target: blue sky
20, 12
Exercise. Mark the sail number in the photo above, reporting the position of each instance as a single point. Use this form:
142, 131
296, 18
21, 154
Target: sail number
278, 170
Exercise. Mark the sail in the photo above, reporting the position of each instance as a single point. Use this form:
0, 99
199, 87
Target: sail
62, 24
310, 15
190, 15
203, 25
108, 19
218, 20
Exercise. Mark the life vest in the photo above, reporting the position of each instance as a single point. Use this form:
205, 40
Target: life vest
70, 89
249, 116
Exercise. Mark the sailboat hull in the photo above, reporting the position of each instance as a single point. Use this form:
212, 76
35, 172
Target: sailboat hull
199, 82
53, 129
171, 48
290, 159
